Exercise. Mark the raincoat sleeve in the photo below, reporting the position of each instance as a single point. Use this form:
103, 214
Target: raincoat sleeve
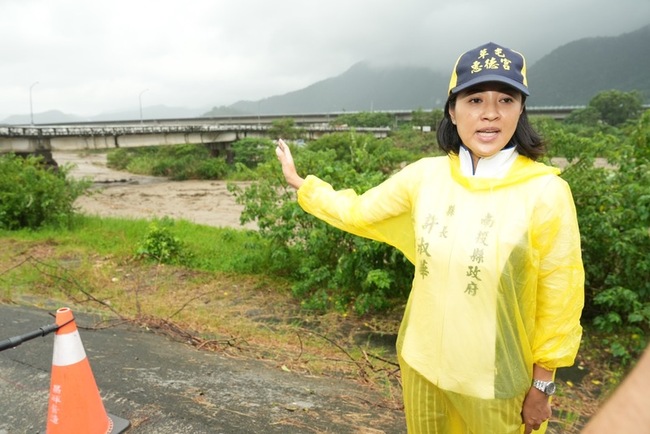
383, 213
560, 288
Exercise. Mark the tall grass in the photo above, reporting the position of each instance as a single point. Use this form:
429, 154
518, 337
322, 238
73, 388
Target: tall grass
178, 162
212, 249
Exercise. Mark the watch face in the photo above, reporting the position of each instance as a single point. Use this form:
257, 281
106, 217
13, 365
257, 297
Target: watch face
550, 389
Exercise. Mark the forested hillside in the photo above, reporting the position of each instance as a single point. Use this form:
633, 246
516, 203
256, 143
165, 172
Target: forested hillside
575, 72
569, 75
361, 88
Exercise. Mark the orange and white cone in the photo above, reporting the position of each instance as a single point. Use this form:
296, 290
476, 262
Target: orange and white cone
75, 405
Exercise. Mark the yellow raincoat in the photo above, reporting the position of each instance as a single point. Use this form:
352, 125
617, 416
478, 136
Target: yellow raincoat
498, 282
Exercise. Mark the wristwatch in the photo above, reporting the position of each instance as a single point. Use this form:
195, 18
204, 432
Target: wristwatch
548, 387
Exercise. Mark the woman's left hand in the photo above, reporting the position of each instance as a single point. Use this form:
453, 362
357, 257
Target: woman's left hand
536, 409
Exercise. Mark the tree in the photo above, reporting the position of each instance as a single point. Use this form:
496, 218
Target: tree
586, 116
252, 151
430, 118
32, 195
365, 119
285, 129
616, 107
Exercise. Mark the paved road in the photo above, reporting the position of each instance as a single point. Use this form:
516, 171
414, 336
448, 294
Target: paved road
166, 387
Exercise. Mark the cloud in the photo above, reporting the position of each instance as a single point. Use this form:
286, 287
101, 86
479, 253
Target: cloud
99, 56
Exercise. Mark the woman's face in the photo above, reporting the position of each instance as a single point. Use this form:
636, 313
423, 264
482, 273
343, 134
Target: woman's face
486, 117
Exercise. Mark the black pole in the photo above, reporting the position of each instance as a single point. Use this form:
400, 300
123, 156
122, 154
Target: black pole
17, 340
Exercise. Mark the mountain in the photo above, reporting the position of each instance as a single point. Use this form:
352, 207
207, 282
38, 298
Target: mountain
58, 117
569, 75
361, 88
576, 72
152, 112
48, 117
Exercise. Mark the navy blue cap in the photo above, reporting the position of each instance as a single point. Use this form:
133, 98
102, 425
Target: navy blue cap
489, 62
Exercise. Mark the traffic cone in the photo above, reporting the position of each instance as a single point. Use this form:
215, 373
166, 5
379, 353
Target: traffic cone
75, 406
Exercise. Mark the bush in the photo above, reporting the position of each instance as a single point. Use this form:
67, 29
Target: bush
616, 107
178, 162
416, 143
251, 152
119, 159
212, 168
162, 246
613, 205
331, 268
365, 119
33, 195
285, 129
431, 118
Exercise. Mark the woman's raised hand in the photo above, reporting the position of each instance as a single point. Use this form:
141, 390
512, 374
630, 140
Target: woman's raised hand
288, 166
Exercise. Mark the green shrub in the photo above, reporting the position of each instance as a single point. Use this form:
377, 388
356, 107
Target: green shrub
365, 119
119, 159
178, 162
162, 246
134, 160
416, 143
213, 168
430, 118
33, 195
285, 129
250, 152
616, 107
613, 206
331, 268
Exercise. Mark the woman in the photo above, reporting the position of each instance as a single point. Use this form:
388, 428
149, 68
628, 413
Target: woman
498, 288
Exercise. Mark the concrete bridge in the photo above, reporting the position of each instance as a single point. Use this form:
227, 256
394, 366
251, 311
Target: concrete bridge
215, 132
45, 139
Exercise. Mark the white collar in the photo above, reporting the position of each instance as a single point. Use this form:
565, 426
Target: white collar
495, 166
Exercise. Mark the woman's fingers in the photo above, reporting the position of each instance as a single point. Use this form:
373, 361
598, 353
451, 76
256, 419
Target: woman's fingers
288, 166
284, 153
282, 150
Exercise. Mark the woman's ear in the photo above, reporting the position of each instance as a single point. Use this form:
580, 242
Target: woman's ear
452, 115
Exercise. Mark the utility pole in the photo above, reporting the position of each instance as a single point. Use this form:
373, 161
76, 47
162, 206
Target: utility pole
31, 108
140, 99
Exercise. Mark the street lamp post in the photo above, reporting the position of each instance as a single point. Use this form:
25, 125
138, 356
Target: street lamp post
31, 108
140, 99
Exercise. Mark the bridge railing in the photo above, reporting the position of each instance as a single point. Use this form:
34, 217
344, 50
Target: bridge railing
314, 121
74, 131
53, 131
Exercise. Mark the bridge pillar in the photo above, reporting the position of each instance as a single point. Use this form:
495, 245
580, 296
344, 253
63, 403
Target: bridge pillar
221, 149
38, 146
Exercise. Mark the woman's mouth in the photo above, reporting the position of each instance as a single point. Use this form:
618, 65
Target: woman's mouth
488, 133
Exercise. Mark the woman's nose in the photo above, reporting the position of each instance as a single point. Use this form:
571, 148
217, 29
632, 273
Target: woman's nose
490, 110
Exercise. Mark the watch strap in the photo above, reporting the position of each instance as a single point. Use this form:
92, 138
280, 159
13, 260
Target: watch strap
543, 386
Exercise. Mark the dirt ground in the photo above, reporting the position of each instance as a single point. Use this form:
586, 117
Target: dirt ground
122, 194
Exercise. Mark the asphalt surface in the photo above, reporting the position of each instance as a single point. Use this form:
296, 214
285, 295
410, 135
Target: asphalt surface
167, 387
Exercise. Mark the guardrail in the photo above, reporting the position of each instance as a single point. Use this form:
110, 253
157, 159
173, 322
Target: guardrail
57, 131
78, 131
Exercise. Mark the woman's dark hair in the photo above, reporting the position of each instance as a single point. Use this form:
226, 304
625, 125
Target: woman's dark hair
525, 139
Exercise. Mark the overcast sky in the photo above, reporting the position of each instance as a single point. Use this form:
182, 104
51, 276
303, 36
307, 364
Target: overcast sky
93, 56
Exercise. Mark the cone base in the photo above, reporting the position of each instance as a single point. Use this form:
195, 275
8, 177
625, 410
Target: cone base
119, 425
